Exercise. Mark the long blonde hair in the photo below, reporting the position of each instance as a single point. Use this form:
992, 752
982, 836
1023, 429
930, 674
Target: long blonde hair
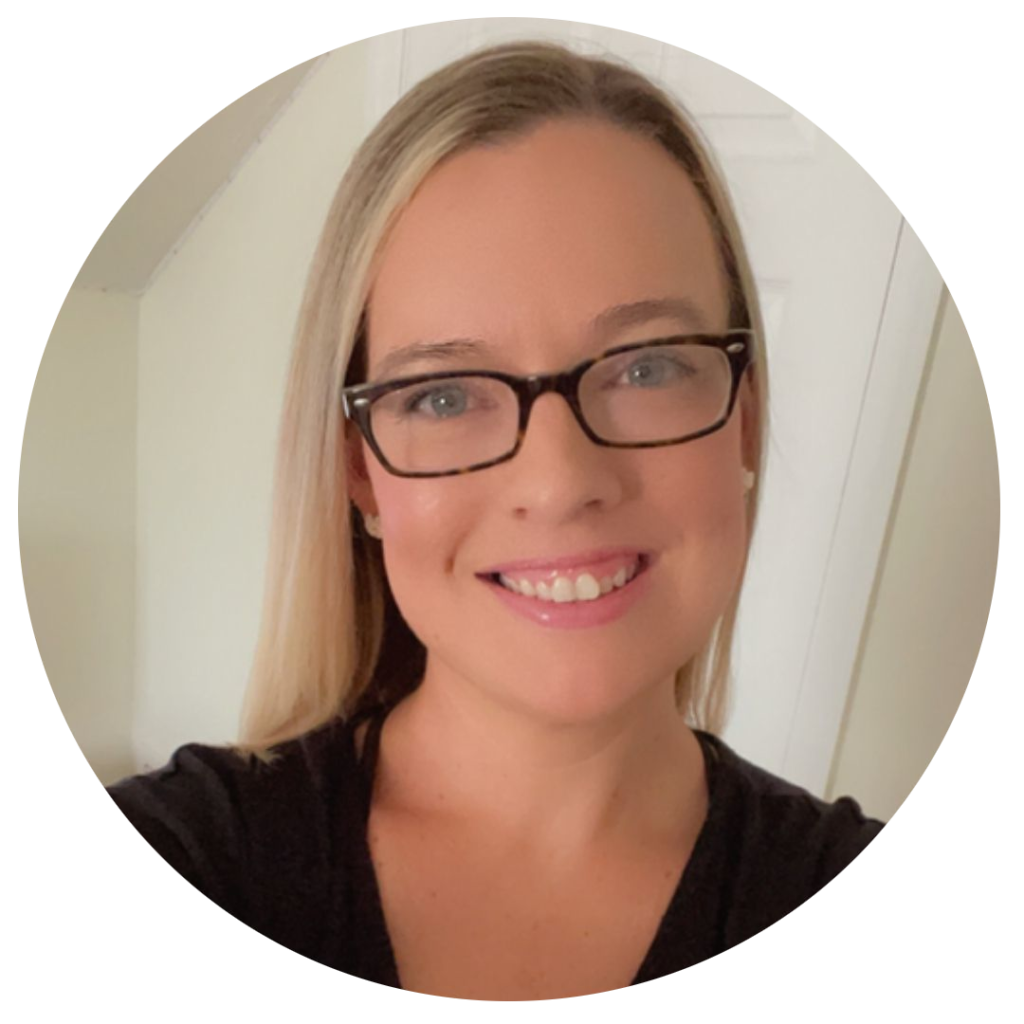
331, 638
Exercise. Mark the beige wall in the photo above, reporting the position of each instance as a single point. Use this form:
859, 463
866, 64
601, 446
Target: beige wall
77, 521
149, 447
934, 585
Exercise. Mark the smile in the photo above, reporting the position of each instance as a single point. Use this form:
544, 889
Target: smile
595, 591
567, 589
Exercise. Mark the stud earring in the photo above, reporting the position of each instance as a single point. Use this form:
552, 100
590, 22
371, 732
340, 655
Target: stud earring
372, 525
749, 476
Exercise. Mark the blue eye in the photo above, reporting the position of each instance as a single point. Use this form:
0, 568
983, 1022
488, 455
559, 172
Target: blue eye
655, 370
413, 403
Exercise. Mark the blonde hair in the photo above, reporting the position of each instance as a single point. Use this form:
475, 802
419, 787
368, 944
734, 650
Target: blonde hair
331, 638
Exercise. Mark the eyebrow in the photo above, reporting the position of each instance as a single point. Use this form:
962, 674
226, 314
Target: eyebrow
616, 318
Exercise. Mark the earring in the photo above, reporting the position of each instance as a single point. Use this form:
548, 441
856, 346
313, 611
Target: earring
749, 476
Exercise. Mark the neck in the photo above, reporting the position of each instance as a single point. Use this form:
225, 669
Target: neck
633, 773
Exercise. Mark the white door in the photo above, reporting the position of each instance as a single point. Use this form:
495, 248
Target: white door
849, 299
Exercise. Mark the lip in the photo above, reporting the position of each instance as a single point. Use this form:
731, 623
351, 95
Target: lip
584, 562
576, 614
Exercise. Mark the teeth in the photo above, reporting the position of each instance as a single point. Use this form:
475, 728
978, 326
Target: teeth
563, 590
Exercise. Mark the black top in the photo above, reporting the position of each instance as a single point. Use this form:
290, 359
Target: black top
283, 848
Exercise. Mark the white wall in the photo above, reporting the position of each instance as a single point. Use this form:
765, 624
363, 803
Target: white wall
212, 367
934, 584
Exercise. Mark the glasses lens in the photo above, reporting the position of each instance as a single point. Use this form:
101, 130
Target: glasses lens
652, 394
438, 426
656, 393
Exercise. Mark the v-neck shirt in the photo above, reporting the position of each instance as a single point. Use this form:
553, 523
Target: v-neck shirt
283, 847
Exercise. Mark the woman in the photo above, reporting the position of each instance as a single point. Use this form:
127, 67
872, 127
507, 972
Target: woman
515, 495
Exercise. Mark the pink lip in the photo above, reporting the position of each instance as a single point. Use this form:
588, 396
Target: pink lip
577, 614
588, 561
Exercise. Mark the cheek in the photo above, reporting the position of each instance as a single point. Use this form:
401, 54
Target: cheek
702, 501
407, 507
713, 534
723, 541
425, 526
423, 523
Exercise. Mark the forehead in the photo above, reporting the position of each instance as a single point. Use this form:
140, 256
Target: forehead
523, 244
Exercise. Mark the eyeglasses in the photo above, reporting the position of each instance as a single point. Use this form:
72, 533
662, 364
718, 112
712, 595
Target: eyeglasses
644, 395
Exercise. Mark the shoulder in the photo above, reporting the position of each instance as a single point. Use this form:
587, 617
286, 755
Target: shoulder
225, 820
780, 828
765, 848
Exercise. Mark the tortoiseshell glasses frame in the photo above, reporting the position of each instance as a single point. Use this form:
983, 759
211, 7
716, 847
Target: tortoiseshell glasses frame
357, 399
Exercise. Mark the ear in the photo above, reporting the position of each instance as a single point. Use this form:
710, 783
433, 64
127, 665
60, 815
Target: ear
360, 489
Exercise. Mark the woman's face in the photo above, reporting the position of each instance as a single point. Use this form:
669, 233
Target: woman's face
521, 247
